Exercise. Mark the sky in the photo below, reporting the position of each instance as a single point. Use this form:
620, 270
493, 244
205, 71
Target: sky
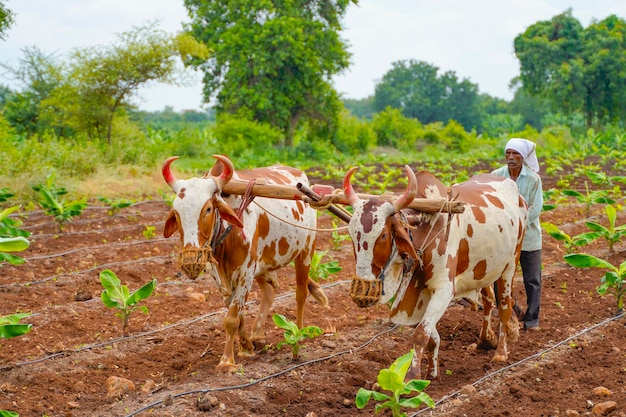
472, 38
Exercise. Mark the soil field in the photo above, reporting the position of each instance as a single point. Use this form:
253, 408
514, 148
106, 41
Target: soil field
61, 367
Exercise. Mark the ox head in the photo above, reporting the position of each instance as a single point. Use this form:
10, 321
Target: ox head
196, 213
381, 243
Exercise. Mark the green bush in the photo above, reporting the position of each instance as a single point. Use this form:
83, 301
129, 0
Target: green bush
393, 129
354, 135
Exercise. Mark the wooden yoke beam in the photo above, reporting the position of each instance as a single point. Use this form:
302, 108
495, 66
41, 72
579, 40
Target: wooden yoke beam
290, 192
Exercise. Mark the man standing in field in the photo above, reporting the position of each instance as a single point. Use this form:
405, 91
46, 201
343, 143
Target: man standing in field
522, 167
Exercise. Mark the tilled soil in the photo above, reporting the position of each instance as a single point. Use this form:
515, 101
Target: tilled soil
61, 367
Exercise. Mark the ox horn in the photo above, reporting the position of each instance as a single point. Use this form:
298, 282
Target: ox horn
348, 191
410, 193
169, 178
227, 172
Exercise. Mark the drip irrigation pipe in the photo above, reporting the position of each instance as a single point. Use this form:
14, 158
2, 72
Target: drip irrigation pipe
520, 362
148, 333
265, 378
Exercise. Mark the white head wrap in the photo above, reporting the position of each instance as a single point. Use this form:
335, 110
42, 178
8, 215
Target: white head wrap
525, 148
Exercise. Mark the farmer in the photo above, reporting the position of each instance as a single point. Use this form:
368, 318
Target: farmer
522, 167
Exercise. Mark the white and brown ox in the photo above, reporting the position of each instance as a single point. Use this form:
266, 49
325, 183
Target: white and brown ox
427, 260
259, 243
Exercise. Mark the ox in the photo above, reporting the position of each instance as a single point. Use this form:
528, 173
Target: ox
425, 261
260, 243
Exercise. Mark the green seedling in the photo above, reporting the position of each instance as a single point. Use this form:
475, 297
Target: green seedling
337, 238
116, 295
10, 325
5, 194
322, 270
613, 282
611, 234
149, 232
293, 335
53, 204
4, 413
570, 243
590, 197
392, 379
12, 238
115, 205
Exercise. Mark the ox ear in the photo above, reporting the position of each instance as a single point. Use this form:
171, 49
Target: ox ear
171, 225
405, 246
228, 214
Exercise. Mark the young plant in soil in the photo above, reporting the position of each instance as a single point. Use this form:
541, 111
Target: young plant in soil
322, 270
116, 295
613, 282
570, 243
53, 204
392, 379
611, 234
12, 238
590, 197
115, 205
293, 335
10, 327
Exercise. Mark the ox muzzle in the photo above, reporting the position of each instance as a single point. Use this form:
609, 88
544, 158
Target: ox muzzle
193, 260
365, 293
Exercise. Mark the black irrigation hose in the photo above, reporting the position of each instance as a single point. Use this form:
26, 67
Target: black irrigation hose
265, 378
101, 266
531, 357
148, 333
106, 245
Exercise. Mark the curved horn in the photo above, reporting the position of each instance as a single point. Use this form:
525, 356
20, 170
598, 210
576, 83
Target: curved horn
348, 191
227, 172
410, 193
169, 178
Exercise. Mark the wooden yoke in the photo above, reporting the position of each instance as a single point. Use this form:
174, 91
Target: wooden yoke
289, 192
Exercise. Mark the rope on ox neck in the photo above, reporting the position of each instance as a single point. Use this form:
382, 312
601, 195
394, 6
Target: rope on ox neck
313, 229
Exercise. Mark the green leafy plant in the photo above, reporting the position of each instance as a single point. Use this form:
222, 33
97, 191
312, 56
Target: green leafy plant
116, 295
337, 238
149, 232
590, 197
611, 234
570, 243
5, 194
115, 205
53, 204
10, 325
392, 379
613, 282
293, 335
12, 238
322, 270
4, 413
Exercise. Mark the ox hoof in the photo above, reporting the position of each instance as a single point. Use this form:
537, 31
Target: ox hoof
499, 358
246, 354
226, 367
259, 344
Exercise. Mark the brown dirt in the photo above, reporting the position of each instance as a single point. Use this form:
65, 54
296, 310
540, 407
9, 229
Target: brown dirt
61, 367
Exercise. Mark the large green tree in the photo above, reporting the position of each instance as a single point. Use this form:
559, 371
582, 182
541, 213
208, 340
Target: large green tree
6, 19
273, 59
416, 88
577, 69
102, 79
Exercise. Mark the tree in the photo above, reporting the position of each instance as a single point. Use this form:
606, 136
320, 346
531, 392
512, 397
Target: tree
39, 74
273, 60
102, 80
418, 91
577, 70
6, 19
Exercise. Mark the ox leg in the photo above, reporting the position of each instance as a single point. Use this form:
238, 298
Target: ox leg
302, 264
509, 326
231, 325
425, 342
487, 335
267, 283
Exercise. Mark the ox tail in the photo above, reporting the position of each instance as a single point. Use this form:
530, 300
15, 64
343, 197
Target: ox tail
318, 293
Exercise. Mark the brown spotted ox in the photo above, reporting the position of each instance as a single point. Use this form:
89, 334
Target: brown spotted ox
422, 262
241, 242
